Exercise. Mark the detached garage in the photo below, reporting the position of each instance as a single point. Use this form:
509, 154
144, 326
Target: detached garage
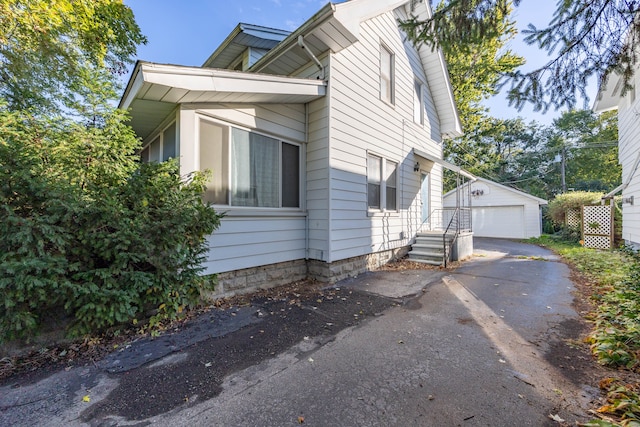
498, 210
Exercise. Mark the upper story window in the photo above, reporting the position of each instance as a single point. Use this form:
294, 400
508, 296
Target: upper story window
381, 183
418, 103
387, 78
249, 169
163, 147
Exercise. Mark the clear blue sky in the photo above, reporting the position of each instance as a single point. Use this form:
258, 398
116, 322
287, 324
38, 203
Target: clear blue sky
186, 32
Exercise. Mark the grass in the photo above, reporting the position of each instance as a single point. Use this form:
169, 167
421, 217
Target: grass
615, 338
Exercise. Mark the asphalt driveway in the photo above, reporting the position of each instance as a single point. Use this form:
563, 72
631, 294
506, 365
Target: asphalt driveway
492, 343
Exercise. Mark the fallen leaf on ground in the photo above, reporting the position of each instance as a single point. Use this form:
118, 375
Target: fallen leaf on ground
555, 417
86, 398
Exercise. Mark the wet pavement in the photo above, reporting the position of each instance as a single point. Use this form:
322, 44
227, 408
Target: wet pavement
490, 343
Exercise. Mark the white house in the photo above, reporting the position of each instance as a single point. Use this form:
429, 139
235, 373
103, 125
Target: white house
498, 210
610, 98
325, 143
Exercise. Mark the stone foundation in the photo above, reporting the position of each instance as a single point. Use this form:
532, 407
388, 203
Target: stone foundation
351, 267
248, 280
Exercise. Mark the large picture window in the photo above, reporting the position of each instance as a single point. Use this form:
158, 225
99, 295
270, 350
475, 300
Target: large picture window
249, 169
381, 183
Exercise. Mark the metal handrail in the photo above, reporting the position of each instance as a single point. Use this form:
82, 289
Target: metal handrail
447, 253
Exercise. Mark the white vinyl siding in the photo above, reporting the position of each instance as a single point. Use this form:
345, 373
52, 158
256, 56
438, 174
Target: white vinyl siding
628, 151
244, 242
362, 122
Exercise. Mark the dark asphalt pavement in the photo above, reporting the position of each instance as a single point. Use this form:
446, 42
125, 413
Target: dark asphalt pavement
489, 344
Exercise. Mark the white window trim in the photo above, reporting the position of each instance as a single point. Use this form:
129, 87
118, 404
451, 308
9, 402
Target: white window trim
255, 210
392, 78
421, 85
383, 186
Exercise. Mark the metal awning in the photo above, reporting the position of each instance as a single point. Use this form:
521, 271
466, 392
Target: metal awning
444, 164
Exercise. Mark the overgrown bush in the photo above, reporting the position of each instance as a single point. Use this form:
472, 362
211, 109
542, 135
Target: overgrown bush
559, 206
88, 230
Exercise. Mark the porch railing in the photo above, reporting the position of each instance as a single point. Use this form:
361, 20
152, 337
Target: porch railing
458, 219
451, 221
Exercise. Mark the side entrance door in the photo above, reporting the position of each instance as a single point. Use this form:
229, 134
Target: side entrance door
424, 196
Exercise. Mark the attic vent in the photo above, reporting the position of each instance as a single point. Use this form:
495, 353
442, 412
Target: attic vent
414, 3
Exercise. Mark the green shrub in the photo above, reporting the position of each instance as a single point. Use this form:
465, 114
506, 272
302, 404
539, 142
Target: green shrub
85, 228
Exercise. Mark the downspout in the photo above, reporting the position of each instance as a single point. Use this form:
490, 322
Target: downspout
306, 208
311, 56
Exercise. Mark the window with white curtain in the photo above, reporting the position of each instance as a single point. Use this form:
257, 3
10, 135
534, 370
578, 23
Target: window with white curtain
249, 169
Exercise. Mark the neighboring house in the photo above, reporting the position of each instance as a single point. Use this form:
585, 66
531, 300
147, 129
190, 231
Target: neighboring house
325, 143
610, 98
498, 210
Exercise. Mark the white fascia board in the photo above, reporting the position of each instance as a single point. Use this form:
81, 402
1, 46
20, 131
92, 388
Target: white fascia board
608, 97
214, 80
352, 13
513, 190
133, 86
292, 40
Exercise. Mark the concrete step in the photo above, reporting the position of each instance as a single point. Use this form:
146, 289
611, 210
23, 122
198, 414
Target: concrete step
427, 245
425, 261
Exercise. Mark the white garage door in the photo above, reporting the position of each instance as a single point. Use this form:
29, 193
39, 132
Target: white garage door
499, 221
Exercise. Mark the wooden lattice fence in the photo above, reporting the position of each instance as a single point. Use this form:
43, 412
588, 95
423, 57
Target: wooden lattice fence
597, 226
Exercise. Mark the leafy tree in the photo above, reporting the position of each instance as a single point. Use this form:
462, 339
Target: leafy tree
86, 231
64, 55
583, 152
475, 70
584, 38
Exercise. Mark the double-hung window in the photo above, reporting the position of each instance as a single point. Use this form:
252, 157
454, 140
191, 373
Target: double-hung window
381, 183
249, 169
163, 147
418, 103
387, 70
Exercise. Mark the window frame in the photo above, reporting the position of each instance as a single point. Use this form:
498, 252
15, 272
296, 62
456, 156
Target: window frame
384, 163
281, 142
391, 98
160, 136
418, 102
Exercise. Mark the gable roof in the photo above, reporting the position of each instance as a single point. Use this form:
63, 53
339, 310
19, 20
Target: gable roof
337, 26
242, 37
504, 187
334, 27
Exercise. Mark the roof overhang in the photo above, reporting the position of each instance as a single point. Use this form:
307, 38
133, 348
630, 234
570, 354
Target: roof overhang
155, 89
444, 163
609, 94
242, 37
